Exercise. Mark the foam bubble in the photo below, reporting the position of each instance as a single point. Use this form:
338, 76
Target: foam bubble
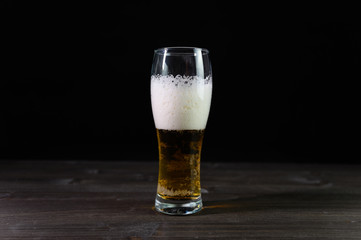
180, 102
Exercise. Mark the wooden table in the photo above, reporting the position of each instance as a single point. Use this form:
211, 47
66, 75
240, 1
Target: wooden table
114, 200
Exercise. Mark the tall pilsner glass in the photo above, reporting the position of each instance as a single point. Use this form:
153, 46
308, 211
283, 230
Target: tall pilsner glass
181, 91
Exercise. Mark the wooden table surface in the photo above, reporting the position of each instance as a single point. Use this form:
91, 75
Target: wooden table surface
114, 200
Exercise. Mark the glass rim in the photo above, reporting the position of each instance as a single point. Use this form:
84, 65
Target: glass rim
181, 51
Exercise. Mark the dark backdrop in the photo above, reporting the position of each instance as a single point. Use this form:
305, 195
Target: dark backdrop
75, 80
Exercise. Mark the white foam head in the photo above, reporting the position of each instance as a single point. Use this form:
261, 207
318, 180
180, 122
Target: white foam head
180, 103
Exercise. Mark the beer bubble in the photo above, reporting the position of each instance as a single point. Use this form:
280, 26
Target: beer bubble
180, 102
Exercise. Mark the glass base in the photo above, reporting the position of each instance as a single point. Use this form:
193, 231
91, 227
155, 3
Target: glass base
178, 207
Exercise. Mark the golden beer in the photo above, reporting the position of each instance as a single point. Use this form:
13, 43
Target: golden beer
181, 92
179, 163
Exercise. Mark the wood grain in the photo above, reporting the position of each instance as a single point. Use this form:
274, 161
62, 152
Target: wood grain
114, 200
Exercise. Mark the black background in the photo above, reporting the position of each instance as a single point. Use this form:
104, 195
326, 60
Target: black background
75, 80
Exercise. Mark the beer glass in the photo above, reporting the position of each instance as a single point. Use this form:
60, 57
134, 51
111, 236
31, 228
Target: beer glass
181, 91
